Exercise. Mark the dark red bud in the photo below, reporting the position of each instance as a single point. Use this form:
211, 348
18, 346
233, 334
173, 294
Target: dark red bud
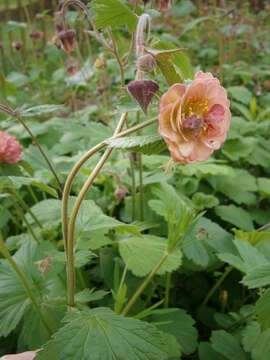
146, 63
68, 40
143, 92
36, 35
100, 90
17, 45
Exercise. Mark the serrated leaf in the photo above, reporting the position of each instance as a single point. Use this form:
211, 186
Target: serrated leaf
258, 277
261, 350
101, 334
88, 295
180, 324
227, 345
41, 110
148, 144
206, 352
14, 300
203, 201
250, 335
264, 186
240, 93
141, 254
236, 216
113, 13
262, 309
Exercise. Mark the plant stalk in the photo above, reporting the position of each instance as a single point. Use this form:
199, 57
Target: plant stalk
71, 228
145, 283
13, 113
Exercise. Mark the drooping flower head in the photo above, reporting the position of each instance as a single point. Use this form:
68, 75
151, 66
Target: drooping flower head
194, 119
10, 149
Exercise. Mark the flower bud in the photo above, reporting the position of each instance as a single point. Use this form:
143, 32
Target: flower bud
120, 192
146, 63
67, 40
10, 149
17, 45
143, 92
36, 35
100, 90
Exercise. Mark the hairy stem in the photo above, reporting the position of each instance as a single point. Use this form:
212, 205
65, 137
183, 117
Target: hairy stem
20, 275
13, 113
71, 228
117, 57
145, 283
80, 163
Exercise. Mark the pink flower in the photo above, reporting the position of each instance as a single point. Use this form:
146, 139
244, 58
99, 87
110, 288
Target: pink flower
194, 119
10, 148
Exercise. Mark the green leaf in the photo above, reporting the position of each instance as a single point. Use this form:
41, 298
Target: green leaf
206, 352
113, 13
180, 324
14, 300
264, 186
262, 309
250, 335
258, 277
240, 93
87, 295
148, 144
261, 350
41, 110
206, 168
101, 334
203, 201
236, 216
47, 211
141, 254
248, 258
227, 345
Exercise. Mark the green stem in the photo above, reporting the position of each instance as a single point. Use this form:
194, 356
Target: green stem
217, 285
71, 228
117, 57
133, 187
26, 207
145, 283
13, 113
28, 290
140, 164
80, 163
29, 227
167, 290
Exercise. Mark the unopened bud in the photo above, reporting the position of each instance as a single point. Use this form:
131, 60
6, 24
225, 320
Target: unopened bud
36, 35
143, 92
120, 192
67, 40
146, 63
100, 90
17, 45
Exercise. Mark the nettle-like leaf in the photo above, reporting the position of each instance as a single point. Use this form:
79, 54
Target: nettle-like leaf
42, 110
258, 277
113, 13
262, 309
14, 300
101, 334
147, 144
240, 93
247, 258
227, 345
236, 216
141, 254
178, 323
205, 232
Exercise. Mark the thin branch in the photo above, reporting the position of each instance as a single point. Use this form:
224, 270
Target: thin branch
15, 115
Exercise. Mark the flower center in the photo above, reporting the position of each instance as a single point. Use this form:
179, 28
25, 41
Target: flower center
196, 106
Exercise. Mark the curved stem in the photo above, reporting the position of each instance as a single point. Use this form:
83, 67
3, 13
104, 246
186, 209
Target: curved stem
24, 282
117, 56
217, 285
71, 229
79, 164
144, 284
83, 7
13, 113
